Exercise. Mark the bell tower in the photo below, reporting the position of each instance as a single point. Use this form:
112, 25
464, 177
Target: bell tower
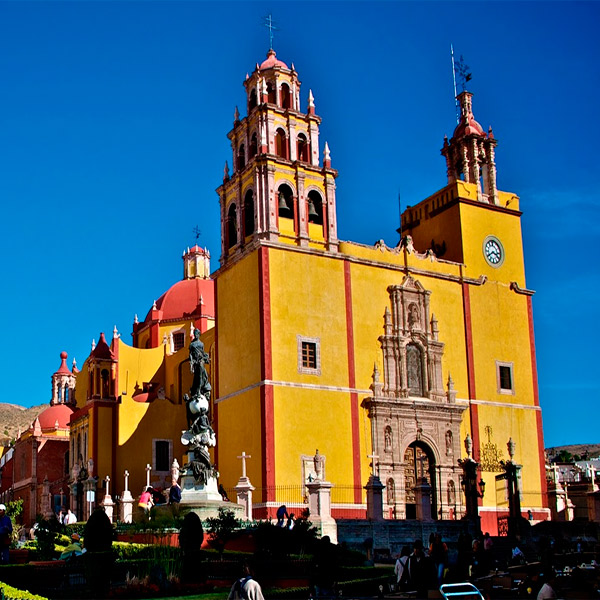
277, 190
470, 153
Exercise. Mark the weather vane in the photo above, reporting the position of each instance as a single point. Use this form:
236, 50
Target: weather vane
197, 232
270, 25
460, 69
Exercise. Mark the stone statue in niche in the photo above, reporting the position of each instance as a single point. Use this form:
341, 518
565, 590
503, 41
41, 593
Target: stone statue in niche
451, 492
388, 439
414, 318
448, 443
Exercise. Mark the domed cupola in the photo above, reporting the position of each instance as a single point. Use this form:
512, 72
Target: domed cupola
63, 384
470, 154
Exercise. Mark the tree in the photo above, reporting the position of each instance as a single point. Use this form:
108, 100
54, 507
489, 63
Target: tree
222, 529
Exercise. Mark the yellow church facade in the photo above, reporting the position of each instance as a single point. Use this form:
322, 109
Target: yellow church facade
384, 359
315, 346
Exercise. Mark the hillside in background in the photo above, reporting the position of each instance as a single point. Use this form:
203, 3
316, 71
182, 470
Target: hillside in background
583, 451
14, 417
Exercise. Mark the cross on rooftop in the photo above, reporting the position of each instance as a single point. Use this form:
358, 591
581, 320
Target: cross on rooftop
269, 24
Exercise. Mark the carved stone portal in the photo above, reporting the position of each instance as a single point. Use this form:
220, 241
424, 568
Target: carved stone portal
416, 422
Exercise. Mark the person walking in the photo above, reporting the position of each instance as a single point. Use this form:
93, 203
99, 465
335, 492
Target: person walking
418, 573
401, 565
246, 587
5, 535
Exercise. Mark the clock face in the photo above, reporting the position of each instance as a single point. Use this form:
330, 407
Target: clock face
493, 251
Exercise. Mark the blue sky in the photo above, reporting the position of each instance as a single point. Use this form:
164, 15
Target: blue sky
113, 124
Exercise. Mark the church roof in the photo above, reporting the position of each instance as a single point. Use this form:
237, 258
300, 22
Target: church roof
60, 413
182, 300
272, 61
102, 350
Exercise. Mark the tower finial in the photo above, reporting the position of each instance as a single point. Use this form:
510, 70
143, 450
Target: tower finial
270, 25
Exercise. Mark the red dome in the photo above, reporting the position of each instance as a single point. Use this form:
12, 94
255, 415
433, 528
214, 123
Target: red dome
272, 61
468, 126
58, 412
183, 300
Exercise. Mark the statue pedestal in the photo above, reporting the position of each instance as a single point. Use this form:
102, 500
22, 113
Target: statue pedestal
374, 489
319, 507
127, 507
423, 500
244, 496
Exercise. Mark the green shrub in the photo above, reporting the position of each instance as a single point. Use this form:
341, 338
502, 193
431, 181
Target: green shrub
15, 594
45, 537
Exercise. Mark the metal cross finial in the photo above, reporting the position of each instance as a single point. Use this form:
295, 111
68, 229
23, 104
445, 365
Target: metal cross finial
244, 456
197, 232
269, 24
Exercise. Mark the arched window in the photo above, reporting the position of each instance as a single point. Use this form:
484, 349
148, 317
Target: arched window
285, 201
286, 96
241, 158
281, 144
105, 386
302, 145
252, 103
315, 208
253, 147
271, 96
249, 213
231, 227
414, 370
388, 439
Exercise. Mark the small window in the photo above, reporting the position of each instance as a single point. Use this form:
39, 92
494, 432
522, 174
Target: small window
504, 375
309, 355
162, 455
178, 341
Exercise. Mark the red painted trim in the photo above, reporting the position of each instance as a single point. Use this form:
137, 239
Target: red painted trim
94, 439
473, 409
469, 340
536, 397
266, 391
215, 370
536, 401
115, 441
352, 383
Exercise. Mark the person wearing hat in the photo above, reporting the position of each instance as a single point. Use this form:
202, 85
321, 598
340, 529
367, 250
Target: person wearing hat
5, 534
73, 549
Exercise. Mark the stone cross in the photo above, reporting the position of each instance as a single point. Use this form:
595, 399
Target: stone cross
148, 471
126, 479
373, 457
244, 456
107, 479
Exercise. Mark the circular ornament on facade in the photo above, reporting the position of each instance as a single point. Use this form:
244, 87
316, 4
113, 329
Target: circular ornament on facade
493, 251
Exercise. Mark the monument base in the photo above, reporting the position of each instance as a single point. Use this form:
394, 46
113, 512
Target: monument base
205, 500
